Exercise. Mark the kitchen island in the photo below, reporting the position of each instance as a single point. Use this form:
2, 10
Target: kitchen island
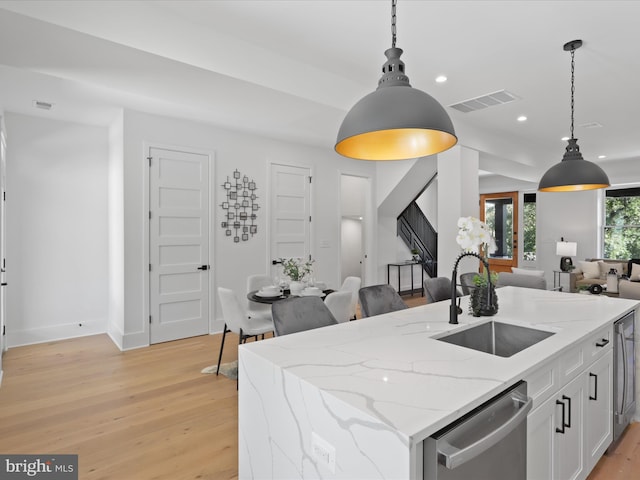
356, 400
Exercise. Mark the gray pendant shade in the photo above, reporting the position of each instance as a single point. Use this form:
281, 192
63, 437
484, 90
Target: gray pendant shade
573, 173
396, 122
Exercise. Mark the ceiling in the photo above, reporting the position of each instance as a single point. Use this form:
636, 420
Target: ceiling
292, 69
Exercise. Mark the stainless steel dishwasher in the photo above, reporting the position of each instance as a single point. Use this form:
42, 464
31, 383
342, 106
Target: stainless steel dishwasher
489, 443
624, 376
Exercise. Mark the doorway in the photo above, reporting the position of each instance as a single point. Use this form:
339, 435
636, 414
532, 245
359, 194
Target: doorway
353, 207
179, 270
500, 212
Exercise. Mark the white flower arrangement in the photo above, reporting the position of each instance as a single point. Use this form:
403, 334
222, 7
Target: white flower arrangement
474, 236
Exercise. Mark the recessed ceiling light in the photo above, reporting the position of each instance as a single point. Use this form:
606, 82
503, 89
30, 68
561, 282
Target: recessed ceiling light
564, 139
522, 118
441, 79
602, 156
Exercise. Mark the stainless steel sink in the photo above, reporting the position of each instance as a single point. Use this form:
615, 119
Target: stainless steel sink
501, 339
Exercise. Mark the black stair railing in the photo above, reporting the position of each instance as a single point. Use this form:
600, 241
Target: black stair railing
418, 233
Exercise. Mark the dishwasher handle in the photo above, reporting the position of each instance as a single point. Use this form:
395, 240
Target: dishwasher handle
452, 457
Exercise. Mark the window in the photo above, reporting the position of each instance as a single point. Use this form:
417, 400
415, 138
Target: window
529, 224
622, 223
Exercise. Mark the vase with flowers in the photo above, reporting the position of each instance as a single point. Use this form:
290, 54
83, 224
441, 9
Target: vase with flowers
474, 237
297, 269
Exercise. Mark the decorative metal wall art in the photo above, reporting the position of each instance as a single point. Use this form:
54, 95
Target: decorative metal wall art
240, 207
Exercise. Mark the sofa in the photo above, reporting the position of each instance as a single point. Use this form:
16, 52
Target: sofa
585, 272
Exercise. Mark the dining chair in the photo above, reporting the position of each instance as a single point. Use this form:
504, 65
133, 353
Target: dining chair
352, 284
258, 310
379, 299
297, 314
237, 320
437, 289
466, 282
339, 304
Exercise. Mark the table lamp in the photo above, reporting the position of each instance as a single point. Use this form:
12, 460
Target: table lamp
566, 250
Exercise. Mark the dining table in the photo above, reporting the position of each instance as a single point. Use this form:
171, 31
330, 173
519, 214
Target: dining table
285, 294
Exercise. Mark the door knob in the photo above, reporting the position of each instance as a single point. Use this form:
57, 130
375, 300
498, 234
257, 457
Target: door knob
204, 267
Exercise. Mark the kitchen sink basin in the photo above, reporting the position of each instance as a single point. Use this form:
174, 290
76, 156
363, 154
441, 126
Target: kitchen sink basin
501, 339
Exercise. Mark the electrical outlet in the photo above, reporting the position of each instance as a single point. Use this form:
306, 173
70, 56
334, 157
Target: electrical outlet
323, 452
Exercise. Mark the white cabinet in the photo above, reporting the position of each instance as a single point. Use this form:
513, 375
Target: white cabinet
555, 435
599, 409
571, 429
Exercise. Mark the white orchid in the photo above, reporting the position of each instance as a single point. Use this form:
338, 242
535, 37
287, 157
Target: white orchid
474, 236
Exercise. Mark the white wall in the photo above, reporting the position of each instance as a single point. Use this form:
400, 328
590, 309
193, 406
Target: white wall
56, 229
457, 197
77, 227
573, 215
116, 293
232, 262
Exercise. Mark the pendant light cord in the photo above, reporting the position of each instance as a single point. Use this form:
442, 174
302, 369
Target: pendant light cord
573, 88
393, 23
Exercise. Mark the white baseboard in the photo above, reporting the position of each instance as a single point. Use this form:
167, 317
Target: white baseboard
55, 332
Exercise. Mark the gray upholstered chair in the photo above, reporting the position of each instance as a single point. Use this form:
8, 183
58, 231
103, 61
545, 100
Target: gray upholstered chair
466, 282
379, 299
438, 289
297, 314
506, 279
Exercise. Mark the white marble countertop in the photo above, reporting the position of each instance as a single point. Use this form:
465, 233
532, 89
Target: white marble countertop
391, 369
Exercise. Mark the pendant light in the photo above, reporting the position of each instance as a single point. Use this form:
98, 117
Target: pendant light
573, 173
396, 121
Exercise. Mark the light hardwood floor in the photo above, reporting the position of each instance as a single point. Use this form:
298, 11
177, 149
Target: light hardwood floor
149, 413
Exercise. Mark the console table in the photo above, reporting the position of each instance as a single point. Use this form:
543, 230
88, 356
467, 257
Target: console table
410, 264
557, 284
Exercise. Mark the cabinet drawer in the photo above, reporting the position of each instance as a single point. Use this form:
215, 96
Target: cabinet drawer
599, 343
572, 363
576, 359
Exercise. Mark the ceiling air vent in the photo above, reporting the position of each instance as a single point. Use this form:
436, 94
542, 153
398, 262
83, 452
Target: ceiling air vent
485, 101
42, 105
590, 125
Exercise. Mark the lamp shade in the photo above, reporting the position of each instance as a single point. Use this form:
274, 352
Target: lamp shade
573, 173
566, 249
396, 121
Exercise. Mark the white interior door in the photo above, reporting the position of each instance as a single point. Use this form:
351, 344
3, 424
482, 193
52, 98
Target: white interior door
178, 244
290, 213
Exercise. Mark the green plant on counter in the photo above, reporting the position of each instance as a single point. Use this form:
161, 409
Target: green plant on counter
480, 280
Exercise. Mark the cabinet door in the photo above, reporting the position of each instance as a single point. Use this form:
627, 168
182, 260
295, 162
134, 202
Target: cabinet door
598, 409
541, 440
569, 451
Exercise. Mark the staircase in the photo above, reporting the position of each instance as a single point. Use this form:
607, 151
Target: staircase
418, 233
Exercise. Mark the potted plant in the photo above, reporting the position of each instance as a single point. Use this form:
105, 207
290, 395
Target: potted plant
416, 254
296, 269
478, 302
